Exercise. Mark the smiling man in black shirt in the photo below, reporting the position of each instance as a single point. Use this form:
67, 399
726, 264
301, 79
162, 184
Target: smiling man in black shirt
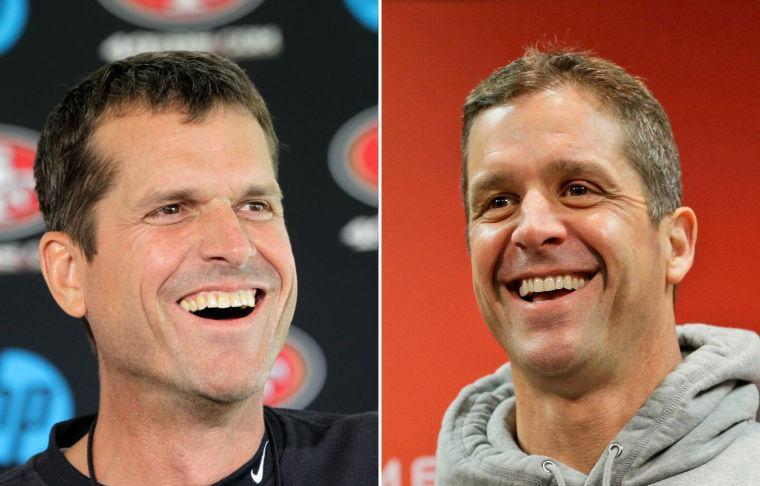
156, 176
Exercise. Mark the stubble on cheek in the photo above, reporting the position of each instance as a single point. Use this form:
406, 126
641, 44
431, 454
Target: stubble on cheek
493, 312
487, 245
284, 320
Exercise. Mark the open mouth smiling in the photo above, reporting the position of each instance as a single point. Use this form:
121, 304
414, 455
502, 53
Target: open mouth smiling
222, 305
549, 287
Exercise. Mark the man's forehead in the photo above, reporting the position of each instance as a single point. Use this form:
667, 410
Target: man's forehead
146, 130
147, 148
140, 109
548, 108
554, 124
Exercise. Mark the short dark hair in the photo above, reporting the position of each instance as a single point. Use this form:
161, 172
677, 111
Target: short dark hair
648, 142
71, 177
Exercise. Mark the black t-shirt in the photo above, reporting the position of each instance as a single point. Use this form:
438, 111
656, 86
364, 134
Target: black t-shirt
299, 448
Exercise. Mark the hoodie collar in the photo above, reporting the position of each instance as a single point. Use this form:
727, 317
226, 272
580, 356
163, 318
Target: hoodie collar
689, 419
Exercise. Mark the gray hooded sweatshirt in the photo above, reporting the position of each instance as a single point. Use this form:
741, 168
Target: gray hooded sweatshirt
699, 427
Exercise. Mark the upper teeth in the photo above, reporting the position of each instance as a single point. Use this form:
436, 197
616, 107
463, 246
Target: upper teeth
546, 284
217, 298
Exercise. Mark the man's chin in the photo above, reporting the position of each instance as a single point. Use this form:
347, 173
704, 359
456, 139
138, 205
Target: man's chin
551, 363
224, 389
227, 392
548, 355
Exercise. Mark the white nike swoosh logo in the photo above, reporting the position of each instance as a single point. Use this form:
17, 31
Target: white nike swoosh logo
260, 473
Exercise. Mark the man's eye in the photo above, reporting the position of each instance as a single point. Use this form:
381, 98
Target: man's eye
498, 202
497, 206
167, 214
256, 206
167, 210
576, 190
257, 210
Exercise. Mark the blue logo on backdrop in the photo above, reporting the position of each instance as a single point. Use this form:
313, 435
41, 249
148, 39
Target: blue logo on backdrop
33, 396
13, 15
364, 11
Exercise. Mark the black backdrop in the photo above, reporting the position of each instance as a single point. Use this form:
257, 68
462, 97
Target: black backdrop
316, 65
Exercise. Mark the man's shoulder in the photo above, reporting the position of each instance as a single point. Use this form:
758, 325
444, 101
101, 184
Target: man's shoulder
50, 466
736, 465
336, 449
305, 426
745, 448
321, 420
24, 474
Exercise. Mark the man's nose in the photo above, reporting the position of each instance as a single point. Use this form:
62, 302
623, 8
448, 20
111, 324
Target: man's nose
225, 238
538, 224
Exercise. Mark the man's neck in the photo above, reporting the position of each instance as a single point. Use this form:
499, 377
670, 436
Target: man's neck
576, 428
155, 441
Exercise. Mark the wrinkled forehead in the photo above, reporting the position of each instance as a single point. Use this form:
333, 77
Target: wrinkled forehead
567, 101
141, 146
567, 123
142, 126
141, 106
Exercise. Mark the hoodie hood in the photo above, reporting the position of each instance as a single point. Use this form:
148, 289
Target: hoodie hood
700, 409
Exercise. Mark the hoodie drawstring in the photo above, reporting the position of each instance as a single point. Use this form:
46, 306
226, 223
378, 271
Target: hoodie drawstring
552, 468
613, 452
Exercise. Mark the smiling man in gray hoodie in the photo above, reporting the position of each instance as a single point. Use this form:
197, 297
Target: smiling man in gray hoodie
577, 238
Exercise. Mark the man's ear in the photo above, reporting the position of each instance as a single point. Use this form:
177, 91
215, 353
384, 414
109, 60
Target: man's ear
682, 236
61, 262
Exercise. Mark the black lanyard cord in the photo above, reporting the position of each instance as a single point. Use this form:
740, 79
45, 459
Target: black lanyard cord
90, 465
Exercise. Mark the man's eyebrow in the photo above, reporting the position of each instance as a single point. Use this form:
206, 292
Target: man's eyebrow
499, 179
167, 196
489, 181
579, 168
264, 190
156, 198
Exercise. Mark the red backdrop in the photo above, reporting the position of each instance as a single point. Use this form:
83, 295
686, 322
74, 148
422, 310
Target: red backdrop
700, 58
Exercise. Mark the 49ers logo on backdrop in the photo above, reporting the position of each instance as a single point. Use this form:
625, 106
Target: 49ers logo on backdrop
353, 156
19, 211
180, 14
353, 161
298, 372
